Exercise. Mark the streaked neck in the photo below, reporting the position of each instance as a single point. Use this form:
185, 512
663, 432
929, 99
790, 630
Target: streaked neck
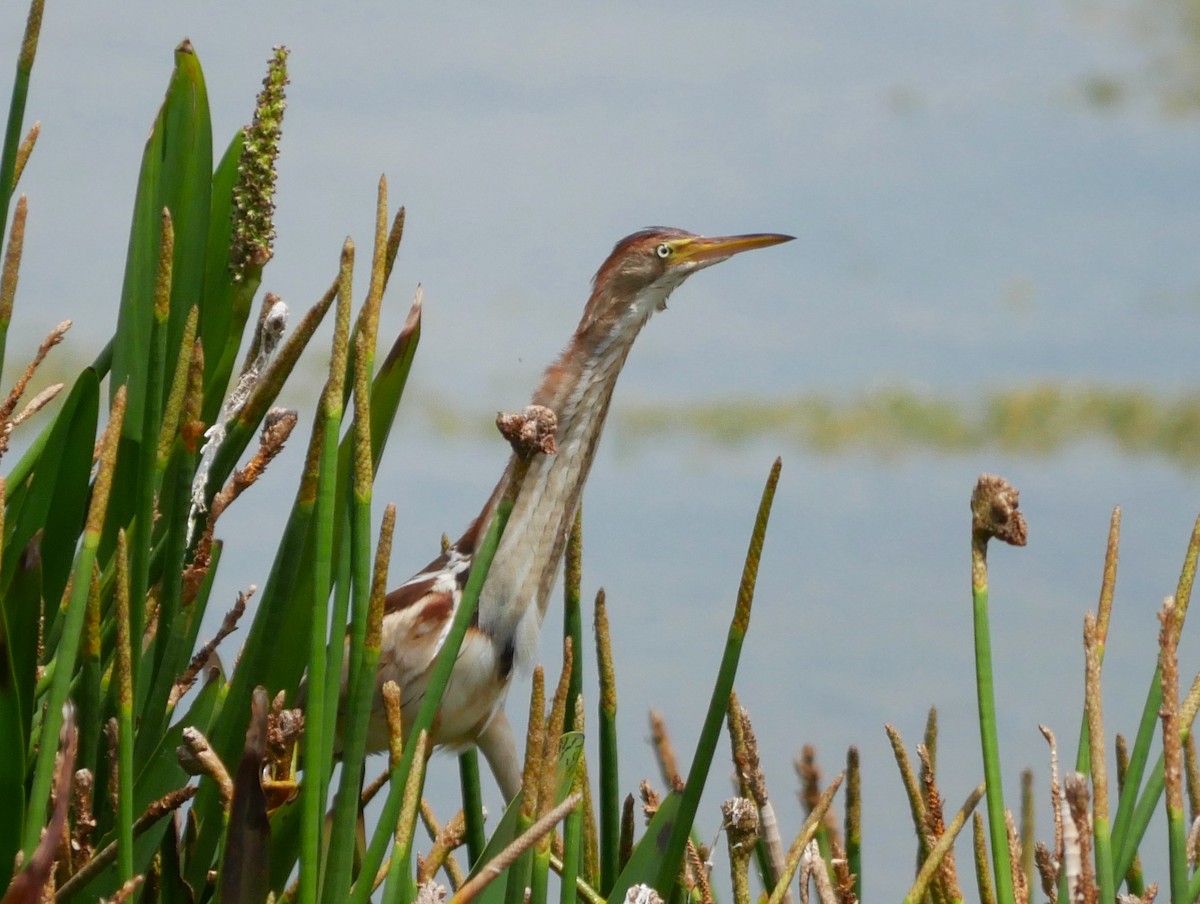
578, 388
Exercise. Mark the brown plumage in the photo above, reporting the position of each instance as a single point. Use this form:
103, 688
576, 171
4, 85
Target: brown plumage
630, 286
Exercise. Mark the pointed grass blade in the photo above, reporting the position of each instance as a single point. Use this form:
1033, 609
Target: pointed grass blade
16, 107
54, 498
74, 616
655, 861
176, 174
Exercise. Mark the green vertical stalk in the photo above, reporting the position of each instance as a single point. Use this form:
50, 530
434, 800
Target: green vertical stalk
143, 526
994, 510
433, 696
364, 633
854, 820
318, 748
988, 736
573, 844
1132, 814
16, 108
573, 615
68, 648
124, 681
610, 789
472, 800
400, 878
668, 867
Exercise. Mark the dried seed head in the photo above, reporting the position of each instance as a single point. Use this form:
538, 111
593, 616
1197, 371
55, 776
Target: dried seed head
994, 511
529, 431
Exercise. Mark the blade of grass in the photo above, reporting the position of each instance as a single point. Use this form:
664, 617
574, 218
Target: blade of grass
433, 694
359, 694
16, 107
76, 610
1132, 813
176, 174
318, 747
657, 857
472, 800
610, 789
124, 682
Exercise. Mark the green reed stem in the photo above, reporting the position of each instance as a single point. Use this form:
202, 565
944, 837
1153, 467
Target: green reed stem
361, 892
472, 799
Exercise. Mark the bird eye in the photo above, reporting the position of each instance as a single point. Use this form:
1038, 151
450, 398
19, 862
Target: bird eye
663, 250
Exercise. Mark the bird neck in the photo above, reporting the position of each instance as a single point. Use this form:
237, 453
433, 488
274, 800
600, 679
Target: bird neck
578, 387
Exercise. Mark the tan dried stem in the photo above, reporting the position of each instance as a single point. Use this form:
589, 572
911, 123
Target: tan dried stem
842, 876
83, 817
202, 656
1013, 837
509, 855
807, 832
810, 787
916, 800
650, 800
813, 867
198, 758
753, 785
934, 828
54, 337
740, 821
374, 787
7, 422
446, 839
664, 750
1047, 868
1056, 794
277, 427
166, 804
36, 404
932, 863
696, 870
126, 891
1080, 873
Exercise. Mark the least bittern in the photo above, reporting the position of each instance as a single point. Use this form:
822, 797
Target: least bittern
632, 284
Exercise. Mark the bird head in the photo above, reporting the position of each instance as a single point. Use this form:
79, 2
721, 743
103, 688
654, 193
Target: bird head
646, 267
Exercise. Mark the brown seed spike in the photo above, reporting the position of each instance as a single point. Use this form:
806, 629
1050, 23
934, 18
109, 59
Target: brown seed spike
994, 511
